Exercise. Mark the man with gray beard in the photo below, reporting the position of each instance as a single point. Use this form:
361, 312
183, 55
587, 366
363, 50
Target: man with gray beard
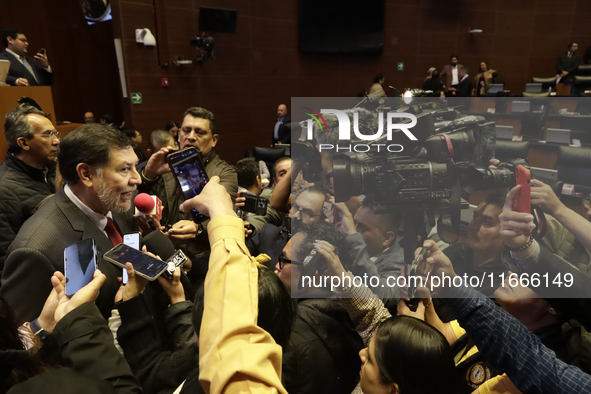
97, 164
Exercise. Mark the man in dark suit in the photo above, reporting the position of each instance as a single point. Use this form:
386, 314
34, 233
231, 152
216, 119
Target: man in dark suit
282, 134
464, 88
450, 73
568, 63
24, 70
97, 165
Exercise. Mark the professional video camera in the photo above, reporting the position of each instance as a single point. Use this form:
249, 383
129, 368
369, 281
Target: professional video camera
474, 178
428, 170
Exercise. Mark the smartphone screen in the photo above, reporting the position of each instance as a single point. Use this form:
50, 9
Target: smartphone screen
190, 175
146, 266
79, 265
133, 240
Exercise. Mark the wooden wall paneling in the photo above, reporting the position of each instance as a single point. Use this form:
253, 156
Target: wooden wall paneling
260, 66
82, 56
161, 32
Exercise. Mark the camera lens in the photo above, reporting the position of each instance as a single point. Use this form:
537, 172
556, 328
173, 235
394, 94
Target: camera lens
350, 176
476, 179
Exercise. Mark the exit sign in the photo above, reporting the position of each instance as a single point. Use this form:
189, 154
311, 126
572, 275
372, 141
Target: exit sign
400, 66
136, 98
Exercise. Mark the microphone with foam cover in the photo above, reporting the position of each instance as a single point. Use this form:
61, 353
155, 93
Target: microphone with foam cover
158, 243
147, 205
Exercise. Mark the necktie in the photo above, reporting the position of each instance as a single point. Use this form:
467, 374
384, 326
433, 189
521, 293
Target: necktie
569, 55
112, 232
28, 67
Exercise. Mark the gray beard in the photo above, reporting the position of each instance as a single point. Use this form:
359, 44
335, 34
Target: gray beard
108, 197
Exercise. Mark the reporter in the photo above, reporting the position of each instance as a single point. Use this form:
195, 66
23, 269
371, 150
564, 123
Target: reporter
398, 349
499, 336
93, 363
569, 234
170, 362
235, 354
574, 300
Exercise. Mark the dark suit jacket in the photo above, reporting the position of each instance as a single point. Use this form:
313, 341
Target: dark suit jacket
284, 133
18, 70
92, 363
38, 251
447, 76
270, 240
433, 84
565, 64
464, 88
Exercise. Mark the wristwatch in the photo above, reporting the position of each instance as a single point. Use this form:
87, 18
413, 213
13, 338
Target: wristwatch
38, 331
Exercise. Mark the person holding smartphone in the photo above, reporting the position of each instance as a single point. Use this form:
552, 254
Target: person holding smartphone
24, 70
198, 130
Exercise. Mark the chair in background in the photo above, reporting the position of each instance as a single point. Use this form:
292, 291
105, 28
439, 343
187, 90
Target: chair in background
510, 151
547, 83
584, 70
533, 125
268, 155
543, 94
574, 165
581, 84
579, 125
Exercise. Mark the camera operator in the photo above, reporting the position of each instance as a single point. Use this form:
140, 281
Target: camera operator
374, 243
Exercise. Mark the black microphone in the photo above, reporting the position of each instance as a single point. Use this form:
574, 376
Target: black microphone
158, 243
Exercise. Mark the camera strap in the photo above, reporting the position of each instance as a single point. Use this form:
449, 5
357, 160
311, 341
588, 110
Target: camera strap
450, 147
455, 208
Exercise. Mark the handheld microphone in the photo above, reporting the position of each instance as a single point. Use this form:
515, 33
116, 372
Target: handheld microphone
147, 205
158, 243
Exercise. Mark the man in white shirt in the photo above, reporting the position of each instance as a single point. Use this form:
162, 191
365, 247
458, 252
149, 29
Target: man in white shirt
97, 164
24, 70
450, 74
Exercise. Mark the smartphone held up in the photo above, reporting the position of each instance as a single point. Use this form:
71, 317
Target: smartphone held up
190, 175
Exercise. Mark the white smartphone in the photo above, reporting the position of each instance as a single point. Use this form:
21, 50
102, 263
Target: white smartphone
133, 240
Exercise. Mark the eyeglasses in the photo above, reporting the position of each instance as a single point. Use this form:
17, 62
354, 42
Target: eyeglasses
305, 213
51, 133
282, 261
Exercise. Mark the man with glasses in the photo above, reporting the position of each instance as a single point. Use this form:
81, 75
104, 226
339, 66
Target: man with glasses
307, 208
27, 175
324, 347
24, 70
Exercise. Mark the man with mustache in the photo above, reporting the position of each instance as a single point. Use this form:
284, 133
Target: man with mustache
200, 131
27, 175
97, 164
